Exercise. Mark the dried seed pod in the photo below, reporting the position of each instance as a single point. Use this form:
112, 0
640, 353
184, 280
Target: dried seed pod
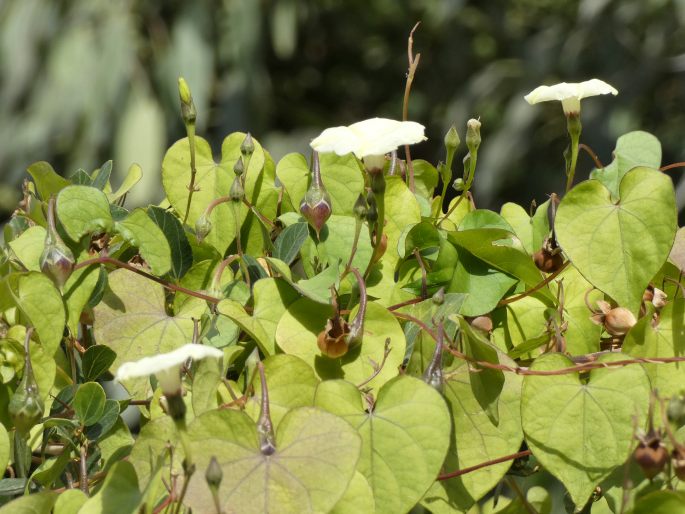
548, 261
678, 462
651, 455
332, 340
616, 321
483, 323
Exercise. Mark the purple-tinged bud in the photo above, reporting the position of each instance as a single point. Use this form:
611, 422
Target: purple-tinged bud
57, 262
316, 204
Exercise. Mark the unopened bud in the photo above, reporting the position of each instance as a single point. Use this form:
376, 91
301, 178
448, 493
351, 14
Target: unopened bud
439, 296
239, 167
247, 146
316, 206
452, 140
378, 183
202, 227
237, 192
372, 212
187, 105
458, 184
56, 261
26, 406
360, 208
214, 475
473, 135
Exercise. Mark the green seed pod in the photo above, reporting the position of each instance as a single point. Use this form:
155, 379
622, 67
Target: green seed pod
473, 135
239, 167
360, 208
237, 193
214, 475
202, 227
458, 184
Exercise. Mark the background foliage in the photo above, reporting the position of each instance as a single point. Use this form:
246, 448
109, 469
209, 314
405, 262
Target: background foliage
83, 81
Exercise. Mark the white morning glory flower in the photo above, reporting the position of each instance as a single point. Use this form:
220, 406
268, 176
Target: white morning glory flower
570, 94
368, 138
166, 366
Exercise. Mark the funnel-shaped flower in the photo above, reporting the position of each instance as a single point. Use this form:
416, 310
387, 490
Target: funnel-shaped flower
167, 366
570, 94
376, 136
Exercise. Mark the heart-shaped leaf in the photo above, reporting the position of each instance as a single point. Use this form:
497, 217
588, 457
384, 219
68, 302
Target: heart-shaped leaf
131, 319
619, 246
315, 459
143, 233
404, 436
83, 210
476, 439
581, 431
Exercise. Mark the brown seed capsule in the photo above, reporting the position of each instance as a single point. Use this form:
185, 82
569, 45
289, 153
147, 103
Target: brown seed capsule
483, 323
547, 261
678, 462
332, 340
651, 456
616, 321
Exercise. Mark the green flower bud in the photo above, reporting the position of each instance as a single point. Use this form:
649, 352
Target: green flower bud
239, 167
188, 112
214, 475
458, 184
360, 208
452, 140
473, 135
26, 406
237, 193
247, 147
56, 261
439, 296
378, 183
372, 212
202, 227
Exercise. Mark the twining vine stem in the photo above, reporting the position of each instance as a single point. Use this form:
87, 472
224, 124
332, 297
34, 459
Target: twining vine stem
463, 471
411, 71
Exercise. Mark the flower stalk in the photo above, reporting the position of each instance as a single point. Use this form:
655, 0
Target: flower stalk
189, 115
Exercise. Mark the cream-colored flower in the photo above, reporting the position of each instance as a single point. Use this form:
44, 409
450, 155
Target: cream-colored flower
166, 366
376, 136
570, 94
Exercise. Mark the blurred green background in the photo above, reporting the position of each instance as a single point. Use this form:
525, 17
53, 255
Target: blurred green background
84, 81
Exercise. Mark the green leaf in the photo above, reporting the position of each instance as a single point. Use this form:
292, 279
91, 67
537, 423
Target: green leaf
401, 210
476, 439
423, 237
132, 320
213, 180
341, 176
107, 421
619, 246
97, 359
181, 252
317, 288
206, 379
119, 493
89, 403
28, 247
70, 501
580, 431
142, 232
405, 436
101, 176
315, 459
291, 383
287, 245
660, 502
4, 447
151, 450
301, 324
666, 339
133, 176
530, 231
42, 304
632, 150
47, 181
83, 210
78, 289
37, 503
425, 178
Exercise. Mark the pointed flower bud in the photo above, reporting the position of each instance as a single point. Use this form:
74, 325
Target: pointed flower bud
316, 204
247, 146
458, 184
473, 135
57, 262
202, 227
188, 112
452, 140
26, 406
372, 212
214, 475
239, 167
237, 192
439, 296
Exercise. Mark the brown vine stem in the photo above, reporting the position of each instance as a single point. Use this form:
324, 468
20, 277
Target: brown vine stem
164, 283
673, 165
592, 155
424, 275
379, 367
464, 471
262, 218
413, 64
409, 317
405, 303
532, 290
